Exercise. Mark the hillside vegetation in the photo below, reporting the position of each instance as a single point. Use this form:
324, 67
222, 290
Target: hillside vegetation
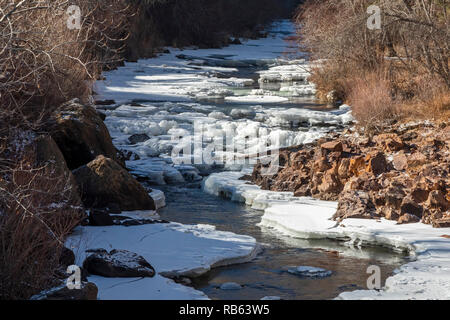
400, 70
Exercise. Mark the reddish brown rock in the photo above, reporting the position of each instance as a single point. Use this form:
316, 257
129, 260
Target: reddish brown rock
441, 223
357, 164
419, 195
394, 197
389, 142
390, 213
414, 185
333, 146
408, 206
400, 161
355, 204
416, 159
104, 182
330, 186
344, 169
437, 200
321, 165
376, 163
408, 218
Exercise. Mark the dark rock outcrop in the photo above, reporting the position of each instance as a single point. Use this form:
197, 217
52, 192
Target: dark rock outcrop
81, 135
100, 218
67, 257
103, 182
117, 264
47, 155
137, 138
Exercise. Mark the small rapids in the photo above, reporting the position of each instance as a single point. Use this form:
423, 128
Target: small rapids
248, 93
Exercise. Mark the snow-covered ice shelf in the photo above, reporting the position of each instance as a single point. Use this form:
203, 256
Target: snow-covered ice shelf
427, 276
172, 249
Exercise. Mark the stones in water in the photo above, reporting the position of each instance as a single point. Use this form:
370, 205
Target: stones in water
138, 138
231, 286
309, 272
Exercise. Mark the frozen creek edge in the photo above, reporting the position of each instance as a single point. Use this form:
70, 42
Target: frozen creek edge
426, 276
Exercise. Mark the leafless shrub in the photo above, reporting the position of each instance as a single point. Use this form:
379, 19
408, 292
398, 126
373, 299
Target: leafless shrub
372, 101
43, 62
411, 50
37, 211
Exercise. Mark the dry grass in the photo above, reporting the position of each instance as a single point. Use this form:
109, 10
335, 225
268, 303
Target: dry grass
44, 63
399, 72
38, 208
372, 101
432, 101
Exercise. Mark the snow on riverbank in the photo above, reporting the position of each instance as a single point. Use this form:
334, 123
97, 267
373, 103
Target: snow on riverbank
427, 277
181, 75
172, 249
198, 92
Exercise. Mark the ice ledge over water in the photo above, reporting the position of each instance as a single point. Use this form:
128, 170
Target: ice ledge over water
427, 277
172, 249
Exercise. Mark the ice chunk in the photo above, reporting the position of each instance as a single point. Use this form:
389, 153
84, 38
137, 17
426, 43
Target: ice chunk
309, 272
159, 198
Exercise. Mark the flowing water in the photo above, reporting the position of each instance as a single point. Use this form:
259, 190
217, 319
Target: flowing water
232, 100
266, 275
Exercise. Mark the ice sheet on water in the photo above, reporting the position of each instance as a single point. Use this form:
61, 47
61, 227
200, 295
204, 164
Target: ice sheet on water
162, 90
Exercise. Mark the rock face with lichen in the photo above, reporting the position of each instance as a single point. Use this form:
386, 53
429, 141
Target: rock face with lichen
402, 174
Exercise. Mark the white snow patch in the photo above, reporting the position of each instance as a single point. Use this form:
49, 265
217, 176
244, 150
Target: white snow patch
159, 198
427, 277
172, 249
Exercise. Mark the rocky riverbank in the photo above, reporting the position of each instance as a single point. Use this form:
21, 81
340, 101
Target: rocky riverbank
112, 210
75, 153
401, 174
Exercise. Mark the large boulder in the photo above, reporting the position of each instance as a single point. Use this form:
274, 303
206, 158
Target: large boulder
355, 204
45, 171
376, 163
44, 152
81, 134
118, 264
104, 183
